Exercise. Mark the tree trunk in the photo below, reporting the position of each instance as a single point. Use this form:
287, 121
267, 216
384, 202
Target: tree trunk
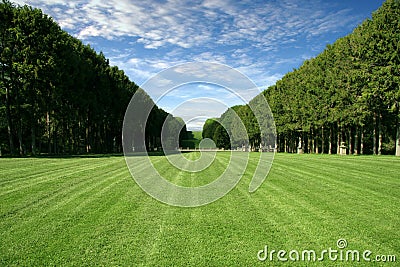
330, 140
39, 146
312, 141
10, 129
20, 141
323, 141
362, 141
88, 133
351, 147
398, 139
380, 134
48, 132
33, 141
397, 132
19, 128
356, 147
10, 126
338, 140
285, 140
72, 140
87, 140
55, 140
374, 135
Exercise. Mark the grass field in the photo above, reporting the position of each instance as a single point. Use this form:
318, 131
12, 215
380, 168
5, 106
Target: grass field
89, 211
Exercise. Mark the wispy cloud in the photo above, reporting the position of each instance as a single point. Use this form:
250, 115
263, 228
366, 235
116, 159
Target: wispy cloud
195, 111
189, 24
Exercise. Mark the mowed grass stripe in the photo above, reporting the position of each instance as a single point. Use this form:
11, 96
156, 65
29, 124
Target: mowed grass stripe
175, 177
306, 199
117, 224
77, 195
157, 222
302, 206
154, 252
357, 167
281, 222
60, 173
178, 229
236, 213
340, 190
344, 183
352, 206
206, 176
177, 222
50, 190
101, 217
57, 221
203, 246
70, 234
81, 195
29, 165
12, 173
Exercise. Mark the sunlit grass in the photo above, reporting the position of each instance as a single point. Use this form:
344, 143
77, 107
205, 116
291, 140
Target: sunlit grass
89, 211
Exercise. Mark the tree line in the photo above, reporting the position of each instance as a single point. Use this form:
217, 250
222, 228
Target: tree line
239, 128
347, 94
58, 95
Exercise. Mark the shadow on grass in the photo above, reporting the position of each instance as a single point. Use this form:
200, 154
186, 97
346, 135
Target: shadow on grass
61, 156
85, 156
155, 153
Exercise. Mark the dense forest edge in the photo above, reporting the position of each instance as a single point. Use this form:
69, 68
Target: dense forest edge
58, 96
347, 95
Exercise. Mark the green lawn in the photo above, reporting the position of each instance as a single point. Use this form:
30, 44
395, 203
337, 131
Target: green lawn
89, 211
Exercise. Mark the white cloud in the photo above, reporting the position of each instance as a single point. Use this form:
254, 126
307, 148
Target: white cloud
199, 108
193, 24
206, 87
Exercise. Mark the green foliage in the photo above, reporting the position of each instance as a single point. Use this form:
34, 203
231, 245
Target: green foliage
173, 132
221, 137
209, 128
346, 94
348, 91
197, 135
192, 140
59, 95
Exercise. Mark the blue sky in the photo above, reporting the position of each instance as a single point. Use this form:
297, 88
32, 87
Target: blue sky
262, 39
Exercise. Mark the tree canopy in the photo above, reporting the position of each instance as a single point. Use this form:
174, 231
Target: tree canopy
57, 94
349, 93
